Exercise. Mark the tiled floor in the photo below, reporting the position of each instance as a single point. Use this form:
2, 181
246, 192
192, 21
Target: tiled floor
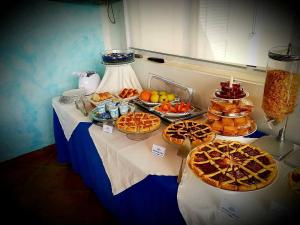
35, 189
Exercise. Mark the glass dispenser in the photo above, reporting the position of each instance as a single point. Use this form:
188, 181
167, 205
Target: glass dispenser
280, 96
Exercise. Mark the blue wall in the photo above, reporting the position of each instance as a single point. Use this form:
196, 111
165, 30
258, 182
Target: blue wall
41, 44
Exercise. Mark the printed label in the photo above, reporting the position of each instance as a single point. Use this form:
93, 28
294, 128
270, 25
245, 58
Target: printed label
158, 150
107, 128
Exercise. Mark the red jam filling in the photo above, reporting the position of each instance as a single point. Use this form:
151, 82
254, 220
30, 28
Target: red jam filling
220, 177
207, 168
200, 157
265, 174
250, 151
264, 160
254, 166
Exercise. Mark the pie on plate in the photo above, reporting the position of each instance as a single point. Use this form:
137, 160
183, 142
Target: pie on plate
197, 132
233, 165
138, 122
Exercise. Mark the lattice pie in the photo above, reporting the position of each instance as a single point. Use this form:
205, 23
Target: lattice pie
138, 122
197, 132
233, 166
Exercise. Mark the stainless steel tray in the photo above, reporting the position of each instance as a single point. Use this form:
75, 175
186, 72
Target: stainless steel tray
195, 113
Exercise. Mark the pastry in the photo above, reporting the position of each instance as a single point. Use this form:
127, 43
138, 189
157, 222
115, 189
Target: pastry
97, 97
233, 108
138, 122
211, 116
233, 165
240, 121
230, 130
197, 132
217, 126
128, 92
227, 121
240, 126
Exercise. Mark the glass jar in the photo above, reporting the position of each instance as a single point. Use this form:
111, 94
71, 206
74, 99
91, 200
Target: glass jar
282, 82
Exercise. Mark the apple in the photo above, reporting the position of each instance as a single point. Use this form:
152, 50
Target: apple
154, 98
154, 92
171, 97
163, 98
162, 93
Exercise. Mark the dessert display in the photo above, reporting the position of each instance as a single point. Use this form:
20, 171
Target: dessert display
228, 91
197, 132
229, 113
294, 180
233, 165
117, 57
153, 97
138, 122
128, 93
280, 94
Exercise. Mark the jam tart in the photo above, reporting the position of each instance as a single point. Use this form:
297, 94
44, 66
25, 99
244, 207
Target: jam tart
138, 122
233, 165
197, 132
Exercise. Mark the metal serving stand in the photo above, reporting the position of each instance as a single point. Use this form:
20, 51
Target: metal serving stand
182, 93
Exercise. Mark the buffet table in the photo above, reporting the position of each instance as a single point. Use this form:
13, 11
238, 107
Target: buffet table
139, 187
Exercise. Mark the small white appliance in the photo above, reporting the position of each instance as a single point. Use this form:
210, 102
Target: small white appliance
89, 81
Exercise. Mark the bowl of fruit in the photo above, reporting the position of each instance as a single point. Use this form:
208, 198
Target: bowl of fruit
153, 97
170, 109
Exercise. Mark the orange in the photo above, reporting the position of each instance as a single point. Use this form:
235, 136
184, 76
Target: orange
145, 95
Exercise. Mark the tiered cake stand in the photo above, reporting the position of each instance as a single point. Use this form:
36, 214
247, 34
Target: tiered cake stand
229, 115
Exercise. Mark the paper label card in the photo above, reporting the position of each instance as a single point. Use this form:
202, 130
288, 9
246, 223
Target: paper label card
107, 128
158, 150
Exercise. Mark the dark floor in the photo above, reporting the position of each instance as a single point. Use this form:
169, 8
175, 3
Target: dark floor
36, 189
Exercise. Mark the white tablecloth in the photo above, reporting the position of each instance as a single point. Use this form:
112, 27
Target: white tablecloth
69, 117
127, 162
117, 77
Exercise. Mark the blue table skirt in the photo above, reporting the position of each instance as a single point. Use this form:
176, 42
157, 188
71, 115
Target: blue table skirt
151, 201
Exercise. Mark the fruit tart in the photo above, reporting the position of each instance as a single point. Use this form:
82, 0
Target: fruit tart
197, 132
138, 122
233, 165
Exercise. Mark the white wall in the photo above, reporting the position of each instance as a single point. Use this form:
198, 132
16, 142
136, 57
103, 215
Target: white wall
204, 85
114, 34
